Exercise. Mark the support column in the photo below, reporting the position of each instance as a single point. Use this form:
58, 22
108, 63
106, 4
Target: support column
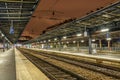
60, 44
55, 44
78, 46
109, 44
47, 44
100, 43
3, 44
90, 45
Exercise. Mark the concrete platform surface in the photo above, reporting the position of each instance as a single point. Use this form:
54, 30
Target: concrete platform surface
108, 56
25, 70
7, 65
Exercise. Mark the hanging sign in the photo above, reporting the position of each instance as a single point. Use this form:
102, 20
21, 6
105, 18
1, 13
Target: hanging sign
85, 34
11, 28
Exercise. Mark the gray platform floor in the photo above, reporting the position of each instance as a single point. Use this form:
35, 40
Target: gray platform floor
7, 65
104, 56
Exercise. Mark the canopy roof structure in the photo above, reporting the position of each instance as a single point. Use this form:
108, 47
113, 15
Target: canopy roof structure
53, 12
37, 20
15, 14
106, 18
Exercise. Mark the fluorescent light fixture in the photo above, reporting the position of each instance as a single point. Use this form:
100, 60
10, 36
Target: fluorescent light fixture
93, 40
82, 41
74, 41
108, 39
2, 35
106, 15
49, 40
55, 39
79, 34
67, 42
104, 30
64, 37
44, 41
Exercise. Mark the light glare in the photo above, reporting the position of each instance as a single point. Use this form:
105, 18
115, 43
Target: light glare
108, 39
79, 34
104, 30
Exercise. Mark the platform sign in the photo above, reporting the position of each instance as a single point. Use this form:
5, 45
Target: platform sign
11, 30
107, 35
85, 34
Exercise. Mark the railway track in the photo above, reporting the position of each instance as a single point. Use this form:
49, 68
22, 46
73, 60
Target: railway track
106, 70
52, 71
110, 71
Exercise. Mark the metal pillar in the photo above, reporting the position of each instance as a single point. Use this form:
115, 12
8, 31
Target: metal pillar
3, 44
60, 44
78, 46
90, 45
100, 44
109, 44
47, 44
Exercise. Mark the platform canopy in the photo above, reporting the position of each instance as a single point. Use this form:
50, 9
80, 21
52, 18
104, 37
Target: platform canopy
23, 20
105, 18
53, 12
14, 16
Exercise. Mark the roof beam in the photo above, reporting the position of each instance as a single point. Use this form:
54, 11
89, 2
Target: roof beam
99, 11
15, 18
18, 1
15, 13
26, 9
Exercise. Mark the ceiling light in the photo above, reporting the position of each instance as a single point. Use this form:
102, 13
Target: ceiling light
55, 39
82, 41
2, 35
106, 15
44, 41
64, 37
104, 30
49, 40
108, 39
79, 34
74, 41
67, 42
93, 40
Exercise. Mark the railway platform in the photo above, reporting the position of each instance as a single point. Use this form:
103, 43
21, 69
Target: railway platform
7, 65
25, 70
107, 56
21, 68
71, 62
14, 66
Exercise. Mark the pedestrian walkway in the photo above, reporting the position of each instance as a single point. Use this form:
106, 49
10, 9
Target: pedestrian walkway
7, 65
25, 70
